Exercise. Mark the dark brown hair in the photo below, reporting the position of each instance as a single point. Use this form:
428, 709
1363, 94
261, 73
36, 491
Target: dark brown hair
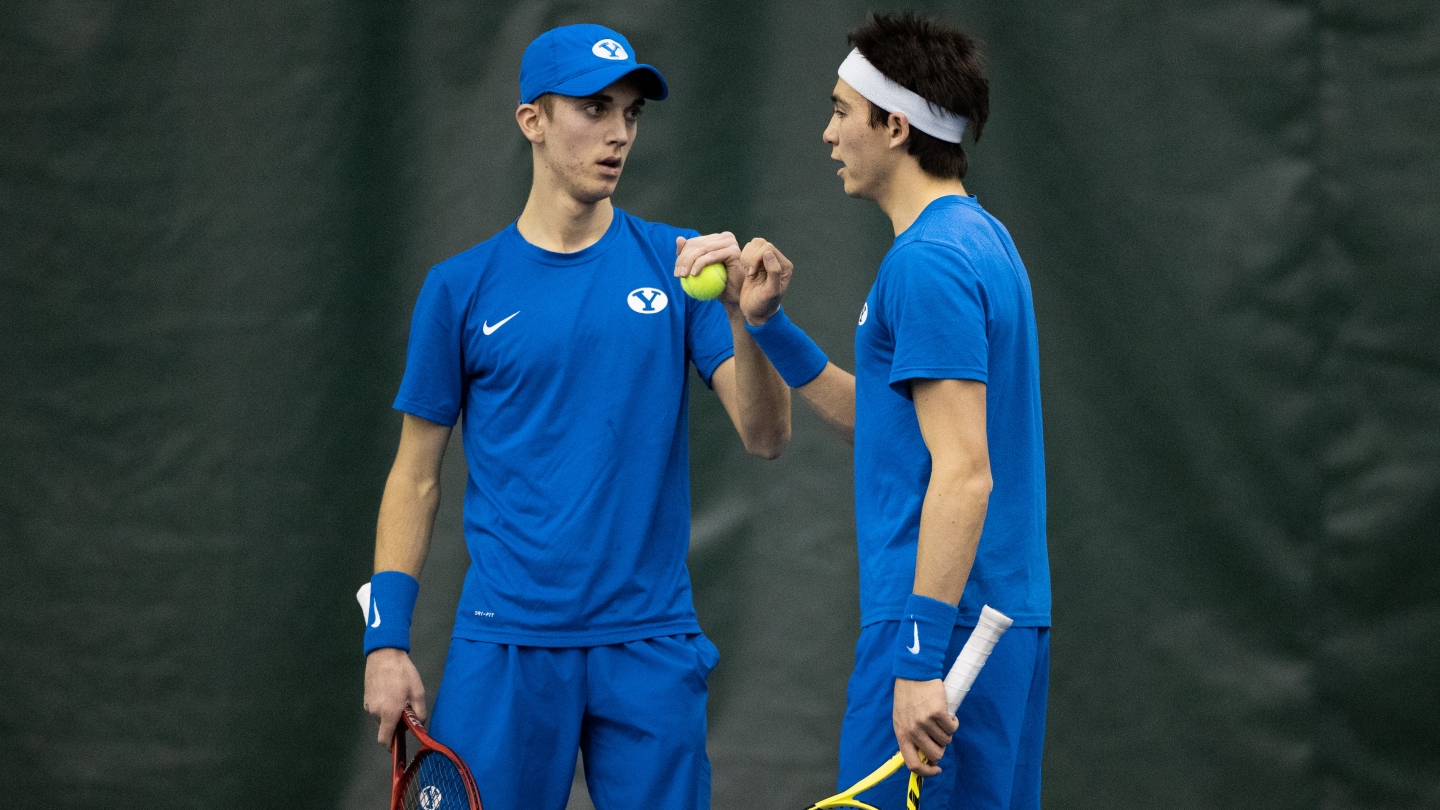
941, 64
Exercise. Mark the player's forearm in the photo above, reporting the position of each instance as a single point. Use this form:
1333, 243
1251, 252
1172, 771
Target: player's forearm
762, 397
407, 518
950, 522
832, 395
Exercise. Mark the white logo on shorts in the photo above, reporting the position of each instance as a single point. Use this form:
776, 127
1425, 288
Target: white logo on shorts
864, 313
647, 300
430, 798
609, 49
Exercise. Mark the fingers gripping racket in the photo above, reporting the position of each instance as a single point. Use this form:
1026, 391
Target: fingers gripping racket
962, 674
436, 779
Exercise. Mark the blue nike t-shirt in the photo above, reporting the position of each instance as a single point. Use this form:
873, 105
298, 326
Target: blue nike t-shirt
951, 301
569, 370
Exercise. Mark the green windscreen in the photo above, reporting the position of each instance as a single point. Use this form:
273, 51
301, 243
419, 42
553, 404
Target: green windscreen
215, 218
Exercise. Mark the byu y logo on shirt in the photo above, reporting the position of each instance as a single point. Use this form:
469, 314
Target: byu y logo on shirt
647, 300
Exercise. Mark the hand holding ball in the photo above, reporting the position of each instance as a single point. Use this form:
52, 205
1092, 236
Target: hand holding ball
709, 283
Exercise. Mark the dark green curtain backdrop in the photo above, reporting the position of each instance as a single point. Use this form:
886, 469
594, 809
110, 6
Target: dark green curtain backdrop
214, 218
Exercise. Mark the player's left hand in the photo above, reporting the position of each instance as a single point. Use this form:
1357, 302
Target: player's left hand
767, 277
691, 256
923, 723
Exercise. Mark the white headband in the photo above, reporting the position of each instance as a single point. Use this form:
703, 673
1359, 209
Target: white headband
890, 96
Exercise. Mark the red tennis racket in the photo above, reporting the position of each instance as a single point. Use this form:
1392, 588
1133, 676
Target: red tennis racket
436, 779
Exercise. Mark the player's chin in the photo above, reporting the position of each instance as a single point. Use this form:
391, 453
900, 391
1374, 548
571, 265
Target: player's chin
600, 189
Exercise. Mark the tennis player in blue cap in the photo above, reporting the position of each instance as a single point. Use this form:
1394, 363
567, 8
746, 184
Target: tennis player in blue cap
564, 343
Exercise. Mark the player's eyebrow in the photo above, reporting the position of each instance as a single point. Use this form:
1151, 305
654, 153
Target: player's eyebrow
834, 99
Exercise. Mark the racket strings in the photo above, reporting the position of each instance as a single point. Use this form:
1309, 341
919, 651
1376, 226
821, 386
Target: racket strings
433, 782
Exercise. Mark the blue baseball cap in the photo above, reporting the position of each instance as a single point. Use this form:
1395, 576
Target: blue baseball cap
578, 60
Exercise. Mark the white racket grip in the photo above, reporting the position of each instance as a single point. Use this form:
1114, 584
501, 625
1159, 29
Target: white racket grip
363, 597
992, 625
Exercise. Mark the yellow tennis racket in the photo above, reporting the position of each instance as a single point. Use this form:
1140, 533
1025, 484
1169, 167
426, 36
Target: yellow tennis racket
962, 674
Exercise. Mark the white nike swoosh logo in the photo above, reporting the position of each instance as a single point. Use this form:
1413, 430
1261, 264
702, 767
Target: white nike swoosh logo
376, 611
914, 649
490, 330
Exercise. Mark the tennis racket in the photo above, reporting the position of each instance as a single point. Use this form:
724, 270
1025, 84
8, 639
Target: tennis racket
962, 674
436, 779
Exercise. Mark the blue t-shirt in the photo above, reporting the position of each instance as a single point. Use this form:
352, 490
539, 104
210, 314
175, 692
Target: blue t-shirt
570, 372
951, 301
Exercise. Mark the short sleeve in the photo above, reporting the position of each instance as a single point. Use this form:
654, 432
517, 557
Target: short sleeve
936, 309
433, 384
708, 340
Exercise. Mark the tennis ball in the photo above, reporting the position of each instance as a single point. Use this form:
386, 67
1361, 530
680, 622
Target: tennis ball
709, 283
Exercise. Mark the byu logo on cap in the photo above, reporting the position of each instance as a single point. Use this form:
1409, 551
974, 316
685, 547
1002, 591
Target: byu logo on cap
609, 49
647, 300
562, 61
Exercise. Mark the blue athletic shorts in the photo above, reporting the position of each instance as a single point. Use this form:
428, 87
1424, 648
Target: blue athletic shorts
635, 711
993, 761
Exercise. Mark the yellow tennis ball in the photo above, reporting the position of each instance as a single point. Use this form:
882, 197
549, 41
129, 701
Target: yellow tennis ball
709, 283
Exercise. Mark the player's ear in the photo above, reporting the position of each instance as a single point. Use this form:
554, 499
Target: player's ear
898, 126
532, 122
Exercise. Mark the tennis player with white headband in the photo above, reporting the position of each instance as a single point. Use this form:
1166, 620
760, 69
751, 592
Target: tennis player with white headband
890, 96
944, 414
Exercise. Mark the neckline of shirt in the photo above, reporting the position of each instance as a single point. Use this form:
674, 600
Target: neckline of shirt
936, 204
581, 256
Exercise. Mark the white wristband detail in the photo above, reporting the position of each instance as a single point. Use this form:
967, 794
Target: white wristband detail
891, 96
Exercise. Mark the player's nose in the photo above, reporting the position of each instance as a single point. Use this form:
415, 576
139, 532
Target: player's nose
618, 132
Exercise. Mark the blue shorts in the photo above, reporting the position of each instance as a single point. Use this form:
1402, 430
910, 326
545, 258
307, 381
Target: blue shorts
993, 761
635, 711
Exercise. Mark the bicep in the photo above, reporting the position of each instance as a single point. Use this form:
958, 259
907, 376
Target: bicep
952, 422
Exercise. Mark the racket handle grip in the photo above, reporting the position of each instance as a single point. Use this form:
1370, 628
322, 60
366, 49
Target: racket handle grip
991, 626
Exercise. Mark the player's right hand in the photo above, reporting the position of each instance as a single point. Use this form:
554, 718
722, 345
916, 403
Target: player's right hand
767, 277
391, 683
691, 255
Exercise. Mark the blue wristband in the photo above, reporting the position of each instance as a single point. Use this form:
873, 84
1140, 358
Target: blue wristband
790, 350
924, 635
392, 603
